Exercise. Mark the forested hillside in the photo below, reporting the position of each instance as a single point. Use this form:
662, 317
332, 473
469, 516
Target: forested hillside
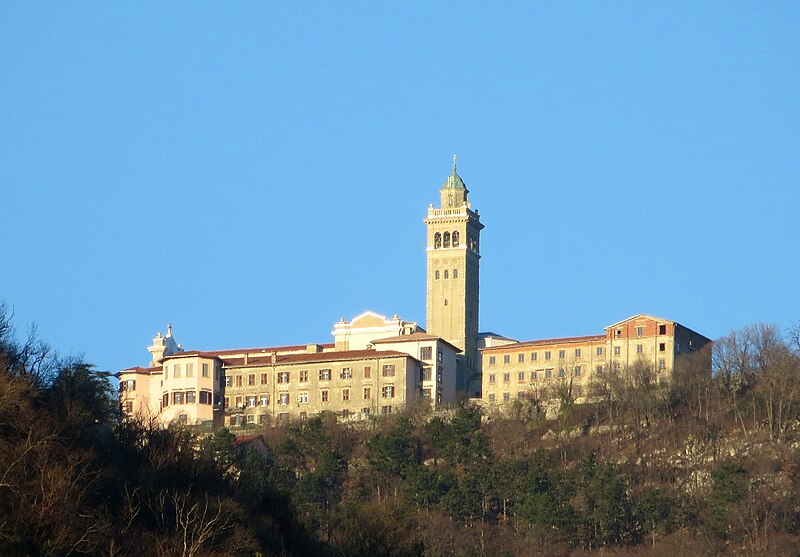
707, 465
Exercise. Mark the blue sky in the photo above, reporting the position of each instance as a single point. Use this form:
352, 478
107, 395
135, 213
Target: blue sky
252, 172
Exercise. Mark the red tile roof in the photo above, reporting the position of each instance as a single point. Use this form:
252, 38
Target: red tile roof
315, 357
545, 342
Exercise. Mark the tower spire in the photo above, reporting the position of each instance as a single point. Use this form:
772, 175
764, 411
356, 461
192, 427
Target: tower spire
454, 163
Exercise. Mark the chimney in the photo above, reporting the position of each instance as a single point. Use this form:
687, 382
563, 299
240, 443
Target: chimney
313, 348
246, 359
274, 357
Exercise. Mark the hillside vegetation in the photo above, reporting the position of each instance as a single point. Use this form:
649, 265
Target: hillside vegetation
707, 465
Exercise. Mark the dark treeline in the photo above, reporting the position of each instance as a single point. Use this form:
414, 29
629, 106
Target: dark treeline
707, 465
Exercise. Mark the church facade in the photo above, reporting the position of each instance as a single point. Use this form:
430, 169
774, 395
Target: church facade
379, 365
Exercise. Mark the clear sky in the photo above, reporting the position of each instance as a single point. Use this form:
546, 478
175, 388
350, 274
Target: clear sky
253, 171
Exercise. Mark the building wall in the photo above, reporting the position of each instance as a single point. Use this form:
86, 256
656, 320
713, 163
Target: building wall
438, 369
347, 387
512, 371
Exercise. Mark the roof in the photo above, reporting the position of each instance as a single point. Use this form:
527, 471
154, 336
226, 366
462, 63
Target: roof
490, 334
414, 337
318, 357
454, 181
640, 316
139, 370
548, 341
266, 349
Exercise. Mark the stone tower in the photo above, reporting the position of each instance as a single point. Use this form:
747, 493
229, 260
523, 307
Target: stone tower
453, 253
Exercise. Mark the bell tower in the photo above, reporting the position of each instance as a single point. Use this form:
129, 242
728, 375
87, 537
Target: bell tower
453, 254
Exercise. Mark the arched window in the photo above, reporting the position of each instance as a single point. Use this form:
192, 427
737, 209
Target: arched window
445, 274
436, 275
455, 239
437, 241
446, 240
455, 273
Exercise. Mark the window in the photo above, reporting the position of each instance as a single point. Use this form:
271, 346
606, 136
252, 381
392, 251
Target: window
617, 350
238, 401
639, 348
506, 397
425, 373
662, 346
506, 377
365, 410
388, 370
577, 371
491, 378
324, 396
561, 354
251, 418
507, 359
561, 372
599, 351
598, 368
446, 242
283, 377
425, 353
190, 397
251, 379
345, 395
521, 377
129, 407
436, 275
662, 363
238, 380
455, 273
548, 373
324, 375
205, 397
264, 400
576, 390
662, 329
437, 243
204, 370
455, 241
617, 333
251, 401
547, 355
387, 391
367, 372
386, 409
283, 399
520, 358
491, 397
491, 360
302, 398
177, 398
534, 375
439, 355
426, 393
347, 373
227, 402
189, 370
345, 413
533, 356
166, 372
177, 372
446, 274
263, 378
367, 393
639, 331
577, 352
